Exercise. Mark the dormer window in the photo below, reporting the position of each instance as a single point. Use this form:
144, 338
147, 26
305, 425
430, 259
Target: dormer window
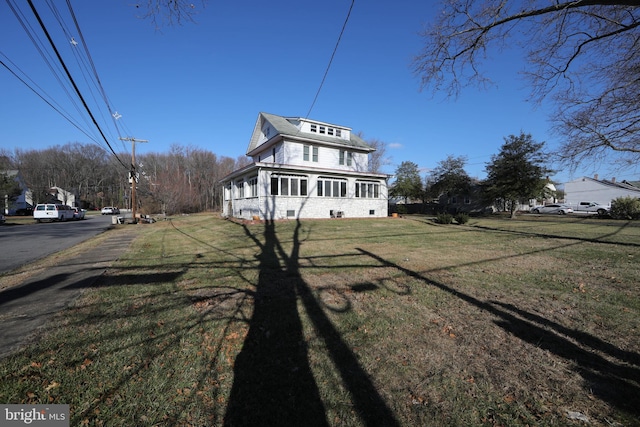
325, 130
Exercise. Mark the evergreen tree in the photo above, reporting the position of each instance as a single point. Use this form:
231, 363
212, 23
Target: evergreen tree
517, 172
408, 184
449, 177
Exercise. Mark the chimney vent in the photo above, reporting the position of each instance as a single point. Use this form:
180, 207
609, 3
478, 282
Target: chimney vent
595, 176
613, 179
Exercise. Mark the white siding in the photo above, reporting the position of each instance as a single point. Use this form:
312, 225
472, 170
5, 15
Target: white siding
360, 162
328, 157
267, 206
589, 190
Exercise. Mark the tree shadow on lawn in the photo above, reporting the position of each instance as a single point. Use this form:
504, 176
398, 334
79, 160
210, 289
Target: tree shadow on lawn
273, 382
617, 230
616, 382
162, 339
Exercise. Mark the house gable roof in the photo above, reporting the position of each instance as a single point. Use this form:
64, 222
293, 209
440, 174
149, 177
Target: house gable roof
613, 184
290, 127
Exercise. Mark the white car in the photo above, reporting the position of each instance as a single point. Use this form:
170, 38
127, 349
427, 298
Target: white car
110, 210
78, 213
552, 209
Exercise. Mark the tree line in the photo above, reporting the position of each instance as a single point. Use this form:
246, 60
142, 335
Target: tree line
183, 180
518, 172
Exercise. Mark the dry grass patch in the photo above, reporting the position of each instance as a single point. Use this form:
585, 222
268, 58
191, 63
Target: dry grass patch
351, 322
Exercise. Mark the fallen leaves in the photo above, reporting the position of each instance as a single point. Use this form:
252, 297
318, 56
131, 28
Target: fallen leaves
85, 363
448, 330
51, 386
580, 288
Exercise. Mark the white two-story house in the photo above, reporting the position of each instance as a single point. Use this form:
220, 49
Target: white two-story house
304, 168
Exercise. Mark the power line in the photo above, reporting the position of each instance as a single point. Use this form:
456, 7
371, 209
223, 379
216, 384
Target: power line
45, 100
98, 83
38, 44
87, 66
331, 59
46, 32
57, 73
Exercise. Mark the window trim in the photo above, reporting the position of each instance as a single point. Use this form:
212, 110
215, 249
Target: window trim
331, 187
371, 189
301, 186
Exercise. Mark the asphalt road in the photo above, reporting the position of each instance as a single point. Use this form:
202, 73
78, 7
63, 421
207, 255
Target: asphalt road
26, 308
23, 244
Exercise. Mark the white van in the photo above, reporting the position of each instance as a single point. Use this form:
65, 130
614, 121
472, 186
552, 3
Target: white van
52, 212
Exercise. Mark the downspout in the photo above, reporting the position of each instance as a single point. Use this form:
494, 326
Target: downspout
259, 191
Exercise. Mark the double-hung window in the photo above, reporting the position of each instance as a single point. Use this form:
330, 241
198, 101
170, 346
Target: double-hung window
310, 153
346, 157
253, 186
240, 187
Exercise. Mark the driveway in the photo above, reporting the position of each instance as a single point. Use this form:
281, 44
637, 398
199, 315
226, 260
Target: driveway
27, 307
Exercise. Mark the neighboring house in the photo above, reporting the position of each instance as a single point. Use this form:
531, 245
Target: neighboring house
21, 205
587, 189
470, 201
61, 196
549, 195
304, 168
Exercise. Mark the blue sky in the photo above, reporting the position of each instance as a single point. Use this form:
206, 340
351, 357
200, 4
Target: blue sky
203, 84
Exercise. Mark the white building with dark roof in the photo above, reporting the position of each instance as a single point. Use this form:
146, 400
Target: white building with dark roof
304, 168
587, 189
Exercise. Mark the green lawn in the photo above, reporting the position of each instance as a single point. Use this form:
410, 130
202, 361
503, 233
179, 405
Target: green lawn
345, 322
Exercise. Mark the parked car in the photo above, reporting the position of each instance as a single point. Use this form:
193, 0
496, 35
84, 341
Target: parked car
78, 213
552, 209
52, 212
2, 219
110, 210
593, 208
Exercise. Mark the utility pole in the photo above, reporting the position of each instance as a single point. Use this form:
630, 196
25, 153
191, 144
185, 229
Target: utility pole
133, 176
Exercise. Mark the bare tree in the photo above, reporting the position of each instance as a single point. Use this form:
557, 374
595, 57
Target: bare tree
378, 158
583, 54
169, 12
184, 180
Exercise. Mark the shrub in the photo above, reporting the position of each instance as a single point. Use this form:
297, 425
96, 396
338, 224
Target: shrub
444, 218
462, 218
626, 208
